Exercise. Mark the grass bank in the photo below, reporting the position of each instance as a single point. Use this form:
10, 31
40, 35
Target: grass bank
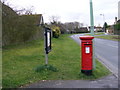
96, 33
19, 62
110, 37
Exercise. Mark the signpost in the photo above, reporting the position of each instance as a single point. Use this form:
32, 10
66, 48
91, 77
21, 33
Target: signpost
47, 40
47, 48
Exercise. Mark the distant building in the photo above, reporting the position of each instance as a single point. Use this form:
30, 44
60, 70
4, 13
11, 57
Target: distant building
110, 30
90, 29
96, 28
119, 10
82, 30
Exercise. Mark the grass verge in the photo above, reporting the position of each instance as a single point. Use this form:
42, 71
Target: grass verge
97, 33
109, 37
20, 61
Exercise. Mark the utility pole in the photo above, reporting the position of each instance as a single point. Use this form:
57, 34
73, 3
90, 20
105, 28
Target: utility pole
92, 30
103, 21
91, 18
103, 17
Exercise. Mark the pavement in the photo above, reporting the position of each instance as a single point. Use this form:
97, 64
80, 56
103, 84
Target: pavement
106, 82
110, 81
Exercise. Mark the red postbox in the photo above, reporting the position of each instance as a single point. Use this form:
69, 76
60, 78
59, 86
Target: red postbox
87, 53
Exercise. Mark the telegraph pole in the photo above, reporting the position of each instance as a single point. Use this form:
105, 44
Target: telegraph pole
92, 30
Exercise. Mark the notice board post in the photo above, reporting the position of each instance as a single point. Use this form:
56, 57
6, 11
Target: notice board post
47, 39
47, 43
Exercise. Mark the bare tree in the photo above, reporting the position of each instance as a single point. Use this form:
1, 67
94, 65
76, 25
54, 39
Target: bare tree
29, 11
81, 24
3, 1
20, 12
54, 19
76, 24
24, 11
6, 2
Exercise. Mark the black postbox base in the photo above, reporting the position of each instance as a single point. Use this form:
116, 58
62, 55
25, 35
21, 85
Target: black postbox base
87, 72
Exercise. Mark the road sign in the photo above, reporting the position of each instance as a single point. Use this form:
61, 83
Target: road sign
47, 40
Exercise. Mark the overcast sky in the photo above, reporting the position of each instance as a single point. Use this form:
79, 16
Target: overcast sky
71, 10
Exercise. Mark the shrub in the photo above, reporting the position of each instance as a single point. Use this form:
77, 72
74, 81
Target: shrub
117, 26
19, 28
56, 31
117, 29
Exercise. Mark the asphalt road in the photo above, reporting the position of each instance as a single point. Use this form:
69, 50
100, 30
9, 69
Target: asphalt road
106, 51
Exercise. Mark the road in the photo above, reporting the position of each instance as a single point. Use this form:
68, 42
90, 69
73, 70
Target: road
106, 51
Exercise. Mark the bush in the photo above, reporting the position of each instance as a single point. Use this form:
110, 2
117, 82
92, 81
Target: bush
56, 31
19, 28
117, 26
117, 29
99, 30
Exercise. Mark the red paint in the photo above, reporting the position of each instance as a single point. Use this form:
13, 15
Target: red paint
87, 52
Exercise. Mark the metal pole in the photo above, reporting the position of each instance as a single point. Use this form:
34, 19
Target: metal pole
103, 17
0, 45
46, 59
103, 21
91, 18
42, 24
46, 55
92, 30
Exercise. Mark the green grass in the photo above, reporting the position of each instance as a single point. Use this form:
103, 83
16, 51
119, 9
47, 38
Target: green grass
109, 37
20, 61
97, 33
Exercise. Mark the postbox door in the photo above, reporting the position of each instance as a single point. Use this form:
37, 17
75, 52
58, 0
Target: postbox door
87, 57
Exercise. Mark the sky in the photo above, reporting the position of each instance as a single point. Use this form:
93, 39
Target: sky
71, 10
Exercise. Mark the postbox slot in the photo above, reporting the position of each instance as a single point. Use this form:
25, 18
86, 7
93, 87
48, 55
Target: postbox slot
86, 41
87, 44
